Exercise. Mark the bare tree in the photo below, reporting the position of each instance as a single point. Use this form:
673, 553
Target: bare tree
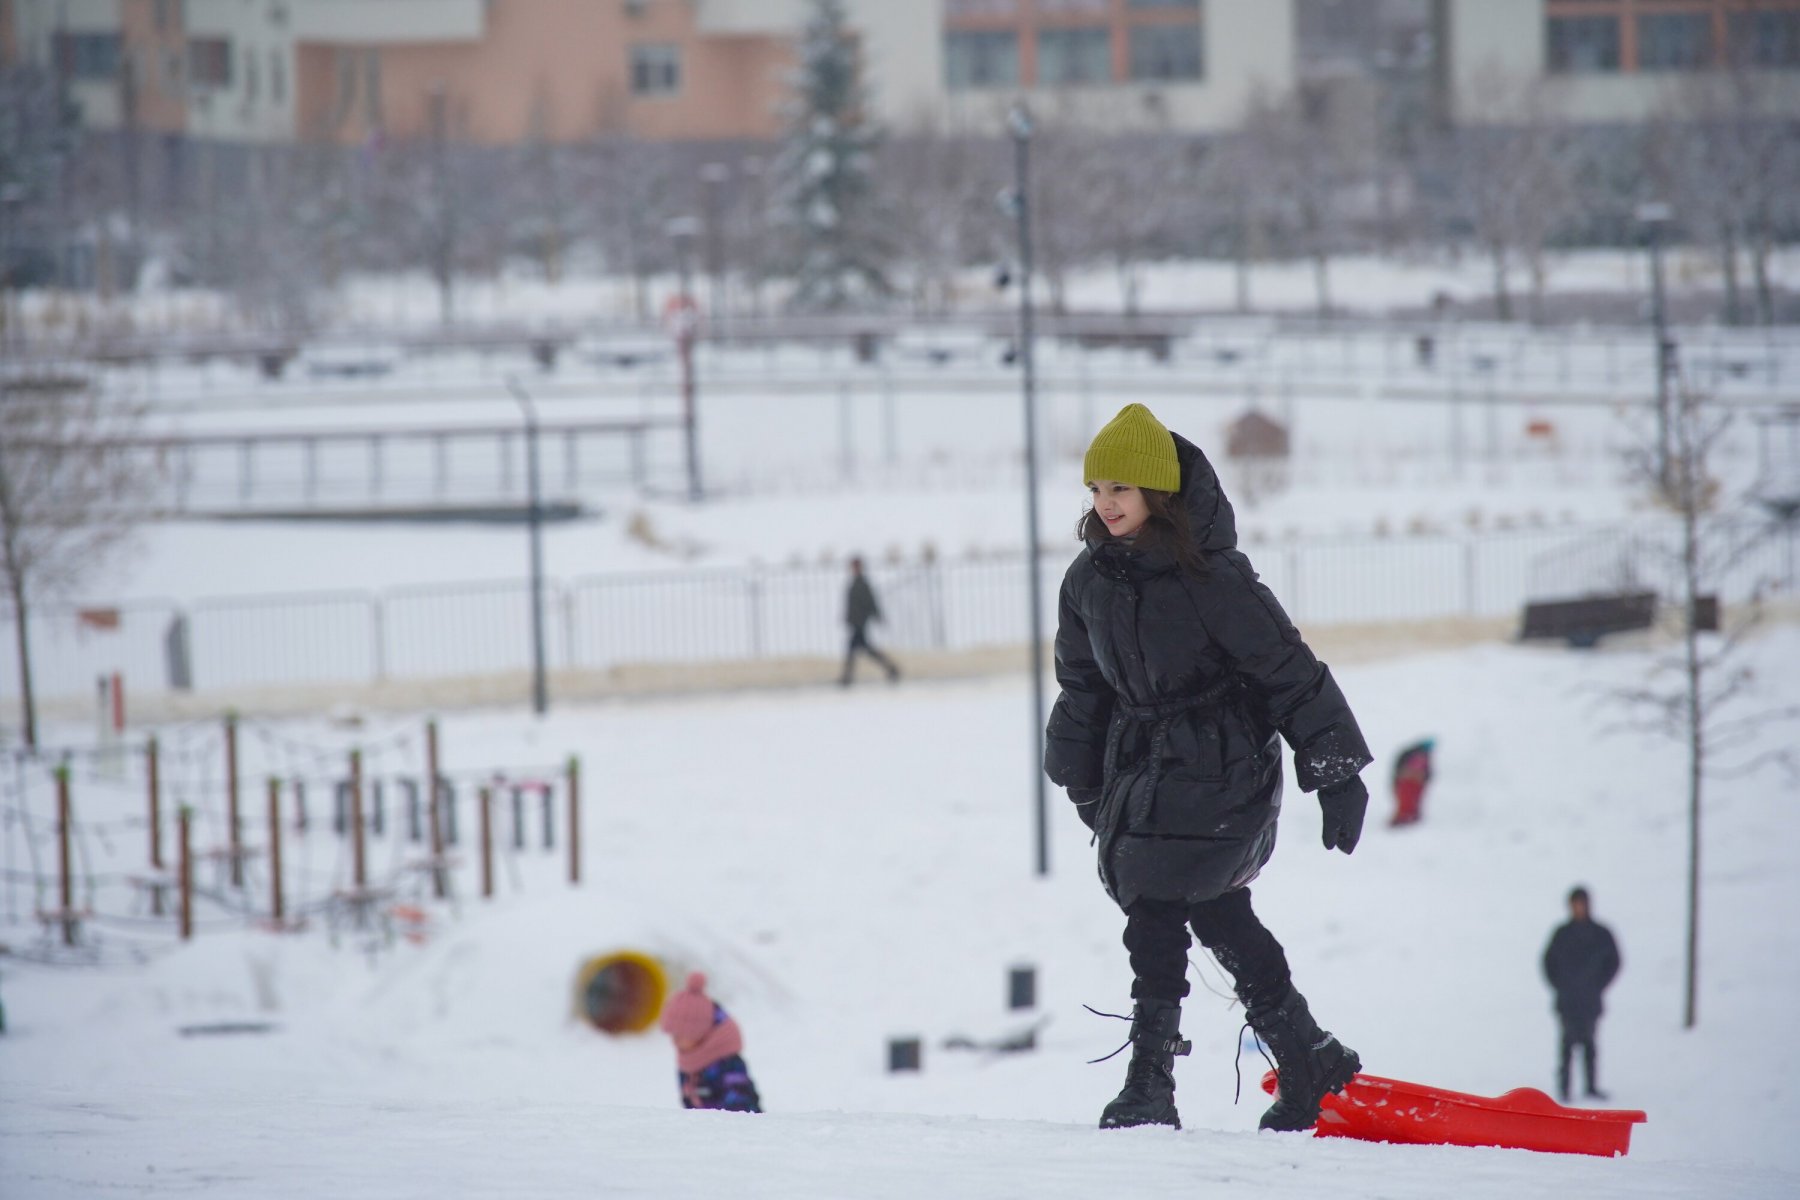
1729, 156
1314, 152
1511, 182
71, 493
628, 183
939, 184
1704, 695
1065, 160
538, 195
1238, 204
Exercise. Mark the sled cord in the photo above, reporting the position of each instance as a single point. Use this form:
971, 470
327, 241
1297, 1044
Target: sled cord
1116, 1017
1237, 1070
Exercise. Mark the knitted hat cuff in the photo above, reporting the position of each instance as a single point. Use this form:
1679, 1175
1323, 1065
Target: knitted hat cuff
1139, 470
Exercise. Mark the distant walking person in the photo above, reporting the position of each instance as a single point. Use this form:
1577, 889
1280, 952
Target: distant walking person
1412, 771
859, 609
1580, 962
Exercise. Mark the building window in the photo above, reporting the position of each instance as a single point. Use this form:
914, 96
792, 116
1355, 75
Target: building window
1189, 5
1578, 45
1166, 52
1674, 41
1074, 56
980, 10
252, 84
89, 55
980, 59
1073, 8
209, 62
655, 69
1766, 39
277, 78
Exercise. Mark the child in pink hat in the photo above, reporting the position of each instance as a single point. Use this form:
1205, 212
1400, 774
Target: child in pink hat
708, 1050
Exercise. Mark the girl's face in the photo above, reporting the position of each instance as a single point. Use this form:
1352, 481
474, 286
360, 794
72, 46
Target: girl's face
1121, 505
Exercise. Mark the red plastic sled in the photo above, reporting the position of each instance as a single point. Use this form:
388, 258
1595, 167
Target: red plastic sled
1391, 1110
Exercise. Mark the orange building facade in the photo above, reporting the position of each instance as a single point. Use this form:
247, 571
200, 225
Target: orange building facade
554, 70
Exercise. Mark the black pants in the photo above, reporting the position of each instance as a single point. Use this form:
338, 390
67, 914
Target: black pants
1156, 936
859, 640
1577, 1033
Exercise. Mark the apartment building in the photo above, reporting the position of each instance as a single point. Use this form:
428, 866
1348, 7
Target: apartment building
500, 71
1616, 60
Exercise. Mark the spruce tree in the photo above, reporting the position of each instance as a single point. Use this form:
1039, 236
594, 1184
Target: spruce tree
837, 251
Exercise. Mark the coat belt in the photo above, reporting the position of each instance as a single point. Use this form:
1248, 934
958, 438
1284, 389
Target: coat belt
1162, 710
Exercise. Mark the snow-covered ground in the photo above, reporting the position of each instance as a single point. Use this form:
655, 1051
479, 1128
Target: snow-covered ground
852, 867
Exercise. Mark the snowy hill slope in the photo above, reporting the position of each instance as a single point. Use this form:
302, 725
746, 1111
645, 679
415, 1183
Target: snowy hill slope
851, 867
421, 1147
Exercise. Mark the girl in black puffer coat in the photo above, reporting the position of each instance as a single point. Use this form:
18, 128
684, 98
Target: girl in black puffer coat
1178, 671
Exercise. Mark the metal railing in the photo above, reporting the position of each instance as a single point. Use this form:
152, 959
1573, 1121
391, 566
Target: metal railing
352, 638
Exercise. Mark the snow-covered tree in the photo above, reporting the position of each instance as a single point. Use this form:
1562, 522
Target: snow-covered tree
828, 158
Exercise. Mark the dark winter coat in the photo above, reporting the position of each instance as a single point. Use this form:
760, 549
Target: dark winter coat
1580, 962
859, 605
1174, 686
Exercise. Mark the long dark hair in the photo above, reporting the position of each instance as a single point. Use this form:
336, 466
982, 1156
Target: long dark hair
1167, 528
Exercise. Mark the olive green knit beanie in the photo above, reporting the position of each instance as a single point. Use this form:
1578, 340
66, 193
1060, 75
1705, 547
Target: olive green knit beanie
1134, 448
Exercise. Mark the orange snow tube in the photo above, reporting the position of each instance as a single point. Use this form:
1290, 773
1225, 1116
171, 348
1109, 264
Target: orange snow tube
621, 992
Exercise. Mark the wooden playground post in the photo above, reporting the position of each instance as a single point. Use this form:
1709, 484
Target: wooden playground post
483, 798
275, 849
64, 862
434, 785
184, 823
357, 867
153, 773
233, 831
574, 819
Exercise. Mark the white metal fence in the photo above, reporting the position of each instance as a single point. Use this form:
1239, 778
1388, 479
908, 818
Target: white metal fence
356, 637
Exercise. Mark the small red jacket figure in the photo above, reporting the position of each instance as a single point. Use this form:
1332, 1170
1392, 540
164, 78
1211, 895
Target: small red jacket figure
1412, 771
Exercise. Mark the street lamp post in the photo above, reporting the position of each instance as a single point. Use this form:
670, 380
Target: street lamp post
1654, 216
1019, 124
682, 231
540, 694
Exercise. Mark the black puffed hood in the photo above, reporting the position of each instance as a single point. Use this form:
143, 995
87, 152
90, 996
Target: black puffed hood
1210, 516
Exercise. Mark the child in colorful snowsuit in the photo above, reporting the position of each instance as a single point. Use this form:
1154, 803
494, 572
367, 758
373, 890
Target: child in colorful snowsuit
709, 1051
1412, 771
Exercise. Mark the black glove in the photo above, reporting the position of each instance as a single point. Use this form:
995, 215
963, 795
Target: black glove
1087, 804
1343, 805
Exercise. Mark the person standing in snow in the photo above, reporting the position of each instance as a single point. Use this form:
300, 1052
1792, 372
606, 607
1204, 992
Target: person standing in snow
708, 1051
859, 609
1412, 771
1579, 963
1178, 671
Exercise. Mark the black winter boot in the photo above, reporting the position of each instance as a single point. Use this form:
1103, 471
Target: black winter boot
1148, 1097
1309, 1063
